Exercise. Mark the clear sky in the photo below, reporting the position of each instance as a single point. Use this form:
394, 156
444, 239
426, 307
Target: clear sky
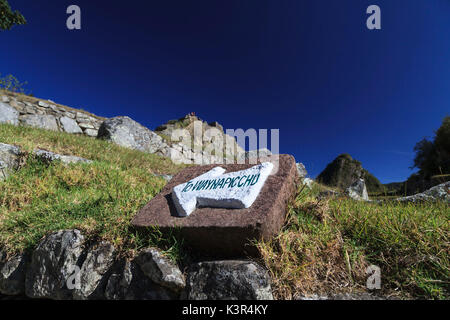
309, 68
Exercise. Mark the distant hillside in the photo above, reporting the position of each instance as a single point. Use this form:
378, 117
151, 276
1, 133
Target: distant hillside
344, 170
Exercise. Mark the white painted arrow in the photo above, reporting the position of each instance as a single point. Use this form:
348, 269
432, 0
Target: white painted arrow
216, 189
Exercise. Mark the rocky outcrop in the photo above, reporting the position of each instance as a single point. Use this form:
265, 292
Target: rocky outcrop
301, 170
230, 280
9, 159
126, 132
18, 109
206, 142
94, 272
53, 261
343, 171
12, 274
308, 182
51, 156
66, 266
358, 190
160, 270
8, 114
130, 283
440, 192
201, 142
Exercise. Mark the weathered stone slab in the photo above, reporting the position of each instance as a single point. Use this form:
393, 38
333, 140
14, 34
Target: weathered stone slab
47, 122
8, 114
222, 231
69, 125
217, 189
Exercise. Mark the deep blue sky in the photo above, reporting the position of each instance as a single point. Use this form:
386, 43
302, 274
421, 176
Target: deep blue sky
310, 68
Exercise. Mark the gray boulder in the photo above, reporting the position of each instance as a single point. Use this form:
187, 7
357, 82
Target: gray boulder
301, 170
44, 121
9, 159
130, 283
308, 182
91, 132
160, 270
94, 272
12, 274
50, 156
229, 280
8, 114
69, 125
128, 133
440, 192
358, 190
53, 263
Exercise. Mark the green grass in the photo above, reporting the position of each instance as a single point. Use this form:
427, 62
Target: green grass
326, 246
99, 198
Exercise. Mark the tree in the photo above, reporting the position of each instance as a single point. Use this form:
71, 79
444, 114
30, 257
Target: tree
8, 18
442, 147
12, 84
433, 157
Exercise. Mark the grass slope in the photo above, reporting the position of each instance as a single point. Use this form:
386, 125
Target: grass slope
99, 199
324, 247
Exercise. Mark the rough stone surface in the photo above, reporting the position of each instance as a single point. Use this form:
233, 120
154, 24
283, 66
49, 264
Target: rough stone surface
358, 190
52, 263
70, 125
301, 170
240, 191
8, 114
343, 171
228, 280
221, 231
440, 192
47, 122
91, 132
12, 274
50, 156
128, 133
160, 270
94, 272
9, 159
308, 182
200, 136
130, 283
22, 110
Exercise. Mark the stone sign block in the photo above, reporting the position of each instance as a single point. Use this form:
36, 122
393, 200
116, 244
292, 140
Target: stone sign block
226, 231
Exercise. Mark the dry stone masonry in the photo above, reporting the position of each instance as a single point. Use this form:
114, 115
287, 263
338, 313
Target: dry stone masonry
65, 265
19, 109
